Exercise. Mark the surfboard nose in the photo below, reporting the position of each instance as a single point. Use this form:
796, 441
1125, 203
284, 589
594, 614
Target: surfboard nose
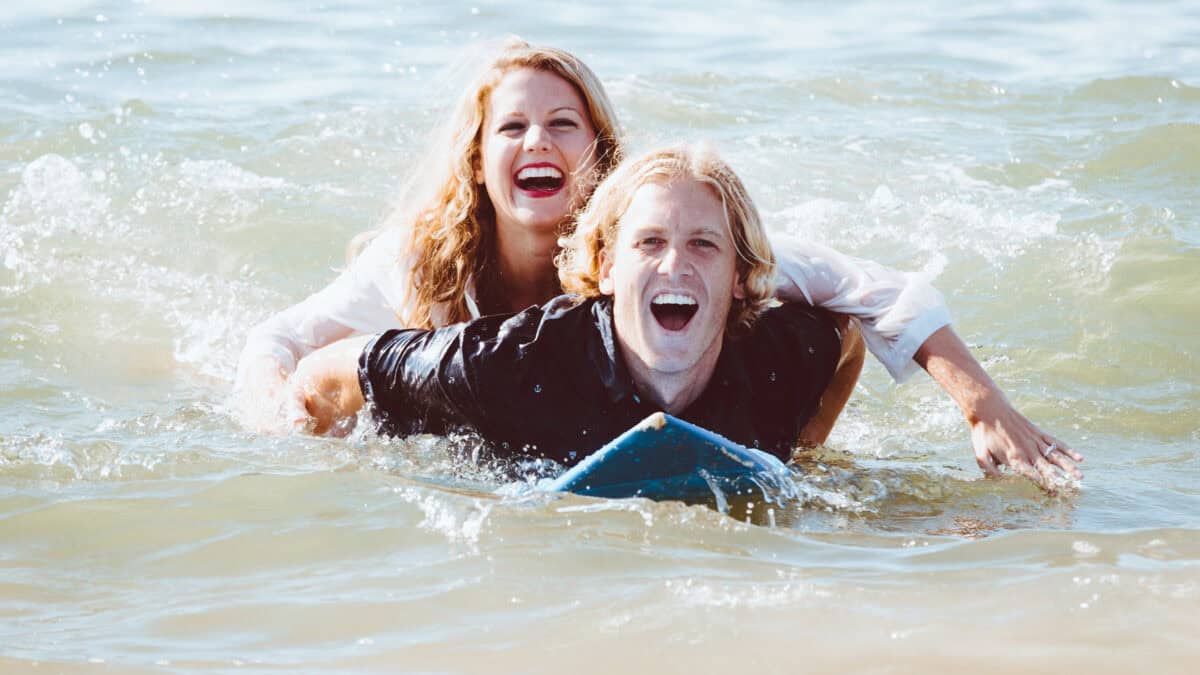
663, 457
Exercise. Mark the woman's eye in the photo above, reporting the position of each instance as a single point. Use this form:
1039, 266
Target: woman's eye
511, 126
704, 243
652, 241
564, 123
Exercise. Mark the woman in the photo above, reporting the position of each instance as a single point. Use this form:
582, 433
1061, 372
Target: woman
477, 233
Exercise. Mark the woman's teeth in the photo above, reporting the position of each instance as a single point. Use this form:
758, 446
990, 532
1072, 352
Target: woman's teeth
540, 178
539, 172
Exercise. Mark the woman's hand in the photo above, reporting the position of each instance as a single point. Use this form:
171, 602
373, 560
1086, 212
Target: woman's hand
1002, 436
267, 402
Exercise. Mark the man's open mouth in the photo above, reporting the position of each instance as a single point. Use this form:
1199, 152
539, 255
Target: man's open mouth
673, 311
544, 178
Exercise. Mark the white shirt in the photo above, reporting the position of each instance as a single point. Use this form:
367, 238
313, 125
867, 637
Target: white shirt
898, 311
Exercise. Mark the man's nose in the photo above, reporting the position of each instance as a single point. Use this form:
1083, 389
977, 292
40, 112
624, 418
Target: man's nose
537, 139
674, 262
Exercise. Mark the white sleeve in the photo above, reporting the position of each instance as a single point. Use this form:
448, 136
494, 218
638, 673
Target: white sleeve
898, 311
368, 297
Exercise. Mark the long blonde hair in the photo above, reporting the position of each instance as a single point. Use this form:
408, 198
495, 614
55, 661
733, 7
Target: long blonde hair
596, 227
452, 222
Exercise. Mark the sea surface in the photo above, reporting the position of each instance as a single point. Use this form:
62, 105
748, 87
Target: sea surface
172, 173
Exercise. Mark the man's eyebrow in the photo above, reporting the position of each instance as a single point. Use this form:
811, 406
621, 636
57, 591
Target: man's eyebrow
710, 231
637, 229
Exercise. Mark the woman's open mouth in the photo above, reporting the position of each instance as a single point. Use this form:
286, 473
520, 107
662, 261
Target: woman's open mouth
540, 180
673, 311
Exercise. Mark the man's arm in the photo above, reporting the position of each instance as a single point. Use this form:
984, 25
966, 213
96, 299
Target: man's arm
1002, 436
416, 379
328, 381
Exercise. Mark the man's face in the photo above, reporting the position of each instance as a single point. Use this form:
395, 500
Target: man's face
672, 273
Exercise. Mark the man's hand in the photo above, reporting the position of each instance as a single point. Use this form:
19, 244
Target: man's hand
326, 381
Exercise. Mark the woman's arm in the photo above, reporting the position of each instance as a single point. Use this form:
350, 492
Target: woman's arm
906, 325
366, 298
1002, 436
897, 311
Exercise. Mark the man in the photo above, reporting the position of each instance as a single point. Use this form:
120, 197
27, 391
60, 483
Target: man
670, 274
669, 267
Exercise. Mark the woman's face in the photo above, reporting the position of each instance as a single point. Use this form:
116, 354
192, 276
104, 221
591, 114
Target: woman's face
536, 149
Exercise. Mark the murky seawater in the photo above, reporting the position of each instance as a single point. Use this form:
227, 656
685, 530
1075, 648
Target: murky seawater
171, 173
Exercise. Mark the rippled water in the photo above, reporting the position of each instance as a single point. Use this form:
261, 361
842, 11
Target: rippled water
170, 173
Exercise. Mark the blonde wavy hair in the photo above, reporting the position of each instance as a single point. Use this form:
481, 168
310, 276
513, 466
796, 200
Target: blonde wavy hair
595, 233
451, 220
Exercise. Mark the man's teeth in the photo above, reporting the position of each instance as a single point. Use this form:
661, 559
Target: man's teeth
538, 172
672, 299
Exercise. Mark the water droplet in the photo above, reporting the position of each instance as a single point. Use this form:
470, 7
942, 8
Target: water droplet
86, 131
537, 388
771, 377
812, 350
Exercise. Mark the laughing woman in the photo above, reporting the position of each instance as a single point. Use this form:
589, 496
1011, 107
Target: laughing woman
477, 231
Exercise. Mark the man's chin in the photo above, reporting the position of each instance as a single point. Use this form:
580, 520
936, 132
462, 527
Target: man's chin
671, 363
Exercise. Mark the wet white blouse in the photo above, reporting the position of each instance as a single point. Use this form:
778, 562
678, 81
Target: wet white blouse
898, 311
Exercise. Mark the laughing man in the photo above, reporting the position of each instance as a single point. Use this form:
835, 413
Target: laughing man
668, 275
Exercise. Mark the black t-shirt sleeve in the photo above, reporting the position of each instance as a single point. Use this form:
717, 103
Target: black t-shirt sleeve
420, 381
410, 379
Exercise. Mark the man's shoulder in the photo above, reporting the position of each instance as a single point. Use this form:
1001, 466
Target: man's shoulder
538, 337
565, 316
795, 317
793, 330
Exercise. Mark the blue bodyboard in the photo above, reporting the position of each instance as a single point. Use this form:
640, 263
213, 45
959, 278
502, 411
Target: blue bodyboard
663, 457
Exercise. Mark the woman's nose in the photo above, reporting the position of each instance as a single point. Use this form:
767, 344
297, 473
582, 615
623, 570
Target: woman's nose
537, 139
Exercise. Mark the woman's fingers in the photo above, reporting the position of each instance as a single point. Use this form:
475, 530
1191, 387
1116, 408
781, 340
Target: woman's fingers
985, 462
1025, 449
1057, 454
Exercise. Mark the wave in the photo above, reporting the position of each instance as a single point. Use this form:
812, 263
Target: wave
1169, 152
1134, 89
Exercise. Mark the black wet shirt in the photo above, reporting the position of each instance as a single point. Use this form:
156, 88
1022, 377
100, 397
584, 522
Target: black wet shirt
550, 381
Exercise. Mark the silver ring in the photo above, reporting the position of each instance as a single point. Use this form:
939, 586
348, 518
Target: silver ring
1053, 447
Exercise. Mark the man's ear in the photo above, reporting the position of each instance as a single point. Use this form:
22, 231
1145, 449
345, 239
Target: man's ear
606, 282
739, 289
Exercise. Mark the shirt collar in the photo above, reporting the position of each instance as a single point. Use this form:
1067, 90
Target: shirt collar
605, 354
469, 297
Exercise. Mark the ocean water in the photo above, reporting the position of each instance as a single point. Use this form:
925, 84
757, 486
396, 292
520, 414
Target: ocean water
173, 172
